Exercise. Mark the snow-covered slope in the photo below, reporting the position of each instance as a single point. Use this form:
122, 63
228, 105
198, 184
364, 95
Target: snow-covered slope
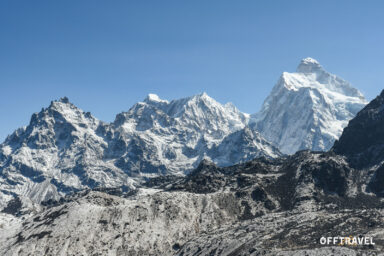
307, 109
64, 149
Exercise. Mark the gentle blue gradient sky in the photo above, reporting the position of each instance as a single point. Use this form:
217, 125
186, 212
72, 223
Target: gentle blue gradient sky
107, 55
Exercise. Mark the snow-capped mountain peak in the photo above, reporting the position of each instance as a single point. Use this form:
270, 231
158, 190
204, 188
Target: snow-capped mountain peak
154, 98
309, 65
310, 73
59, 152
307, 109
63, 108
208, 112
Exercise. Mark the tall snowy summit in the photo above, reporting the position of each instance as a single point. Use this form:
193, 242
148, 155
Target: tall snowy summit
307, 109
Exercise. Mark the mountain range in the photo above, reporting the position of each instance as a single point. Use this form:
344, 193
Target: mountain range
65, 150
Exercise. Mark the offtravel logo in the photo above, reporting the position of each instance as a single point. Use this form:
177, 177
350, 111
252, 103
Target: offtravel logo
347, 241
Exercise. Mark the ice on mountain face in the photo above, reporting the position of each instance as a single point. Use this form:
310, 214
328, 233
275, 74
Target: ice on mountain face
154, 98
7, 150
241, 146
307, 109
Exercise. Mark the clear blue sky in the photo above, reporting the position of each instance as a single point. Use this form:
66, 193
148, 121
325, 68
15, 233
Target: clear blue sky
107, 55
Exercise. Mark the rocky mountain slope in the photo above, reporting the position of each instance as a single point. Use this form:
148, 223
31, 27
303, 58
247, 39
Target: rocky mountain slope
362, 141
307, 109
265, 206
60, 151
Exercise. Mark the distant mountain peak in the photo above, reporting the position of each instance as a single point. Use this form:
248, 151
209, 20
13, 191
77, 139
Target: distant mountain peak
67, 110
62, 105
201, 96
154, 98
64, 100
310, 60
309, 65
310, 74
